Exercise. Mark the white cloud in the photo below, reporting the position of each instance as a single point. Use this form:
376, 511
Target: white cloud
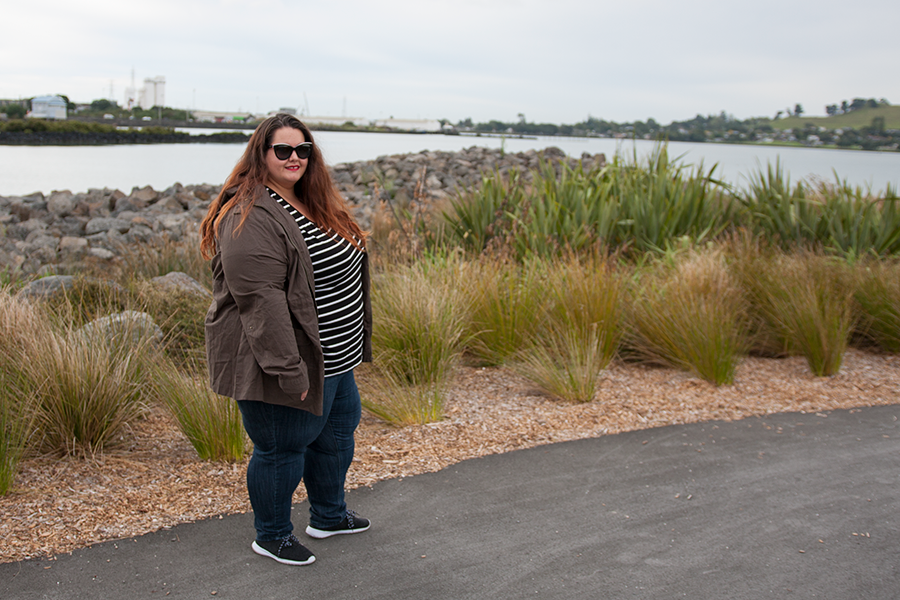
555, 61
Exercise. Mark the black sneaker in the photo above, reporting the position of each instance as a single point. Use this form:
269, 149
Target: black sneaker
352, 523
288, 550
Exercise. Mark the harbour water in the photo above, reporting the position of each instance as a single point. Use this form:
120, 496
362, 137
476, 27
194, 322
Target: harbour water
27, 169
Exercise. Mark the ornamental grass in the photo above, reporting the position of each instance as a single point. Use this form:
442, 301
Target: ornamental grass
690, 315
877, 295
806, 301
581, 331
211, 423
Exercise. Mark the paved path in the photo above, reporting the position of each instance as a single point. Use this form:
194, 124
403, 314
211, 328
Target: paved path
786, 506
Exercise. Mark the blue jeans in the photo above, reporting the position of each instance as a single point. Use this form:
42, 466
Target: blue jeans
290, 444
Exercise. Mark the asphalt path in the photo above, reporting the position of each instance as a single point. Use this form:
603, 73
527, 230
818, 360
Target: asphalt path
783, 506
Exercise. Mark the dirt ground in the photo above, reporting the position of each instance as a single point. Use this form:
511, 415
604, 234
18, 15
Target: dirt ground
154, 480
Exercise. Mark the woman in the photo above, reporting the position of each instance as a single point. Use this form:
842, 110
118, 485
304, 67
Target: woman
289, 322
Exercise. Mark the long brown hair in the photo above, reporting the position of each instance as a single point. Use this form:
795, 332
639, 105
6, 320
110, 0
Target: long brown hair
327, 208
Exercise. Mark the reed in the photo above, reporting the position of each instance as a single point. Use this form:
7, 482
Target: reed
581, 331
88, 387
417, 340
211, 423
691, 316
877, 295
507, 304
160, 257
807, 299
565, 364
21, 329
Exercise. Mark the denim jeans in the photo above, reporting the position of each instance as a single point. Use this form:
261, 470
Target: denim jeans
290, 444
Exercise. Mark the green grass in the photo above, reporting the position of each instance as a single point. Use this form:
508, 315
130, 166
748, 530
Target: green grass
856, 119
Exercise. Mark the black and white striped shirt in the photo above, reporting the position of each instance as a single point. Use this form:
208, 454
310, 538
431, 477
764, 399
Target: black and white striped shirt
337, 267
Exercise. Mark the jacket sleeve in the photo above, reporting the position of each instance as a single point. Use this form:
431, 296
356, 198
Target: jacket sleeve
255, 266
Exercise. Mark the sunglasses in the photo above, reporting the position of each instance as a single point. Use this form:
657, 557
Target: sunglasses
284, 151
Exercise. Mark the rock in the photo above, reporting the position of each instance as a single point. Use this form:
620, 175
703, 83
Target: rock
35, 231
145, 194
61, 203
47, 286
71, 245
179, 282
128, 326
100, 224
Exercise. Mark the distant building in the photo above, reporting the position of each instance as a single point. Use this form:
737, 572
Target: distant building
417, 125
335, 121
48, 107
153, 93
207, 116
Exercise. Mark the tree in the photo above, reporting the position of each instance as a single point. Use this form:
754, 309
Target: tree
69, 105
845, 108
798, 110
14, 111
831, 110
102, 104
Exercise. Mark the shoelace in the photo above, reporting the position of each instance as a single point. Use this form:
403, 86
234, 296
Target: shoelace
350, 515
287, 542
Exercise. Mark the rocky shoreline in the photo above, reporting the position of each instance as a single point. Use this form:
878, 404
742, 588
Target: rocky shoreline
62, 231
77, 138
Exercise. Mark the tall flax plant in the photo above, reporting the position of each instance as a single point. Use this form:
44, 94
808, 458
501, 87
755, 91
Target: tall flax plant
780, 211
878, 302
663, 200
478, 216
807, 299
507, 303
581, 333
690, 315
211, 423
417, 340
565, 210
856, 222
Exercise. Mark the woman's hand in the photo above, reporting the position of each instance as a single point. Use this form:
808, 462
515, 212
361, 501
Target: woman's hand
303, 395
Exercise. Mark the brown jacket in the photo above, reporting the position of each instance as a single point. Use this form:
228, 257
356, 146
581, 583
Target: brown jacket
262, 330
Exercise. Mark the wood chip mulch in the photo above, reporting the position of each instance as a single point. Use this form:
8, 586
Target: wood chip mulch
154, 480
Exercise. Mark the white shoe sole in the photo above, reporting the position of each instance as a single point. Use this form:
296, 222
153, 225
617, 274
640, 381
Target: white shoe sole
297, 563
321, 534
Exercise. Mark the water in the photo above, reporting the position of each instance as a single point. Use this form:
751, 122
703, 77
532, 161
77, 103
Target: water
27, 169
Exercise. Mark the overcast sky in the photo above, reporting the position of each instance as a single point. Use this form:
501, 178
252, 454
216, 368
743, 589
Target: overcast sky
554, 61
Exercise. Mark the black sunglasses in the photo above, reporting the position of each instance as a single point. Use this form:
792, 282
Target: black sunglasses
284, 151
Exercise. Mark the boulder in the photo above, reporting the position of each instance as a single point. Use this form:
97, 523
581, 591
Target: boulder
179, 282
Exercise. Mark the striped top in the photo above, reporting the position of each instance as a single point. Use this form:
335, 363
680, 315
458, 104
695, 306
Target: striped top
337, 268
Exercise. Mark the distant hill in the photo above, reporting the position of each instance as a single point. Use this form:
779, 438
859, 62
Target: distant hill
855, 119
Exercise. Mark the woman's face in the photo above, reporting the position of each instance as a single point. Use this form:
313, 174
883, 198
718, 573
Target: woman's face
285, 173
